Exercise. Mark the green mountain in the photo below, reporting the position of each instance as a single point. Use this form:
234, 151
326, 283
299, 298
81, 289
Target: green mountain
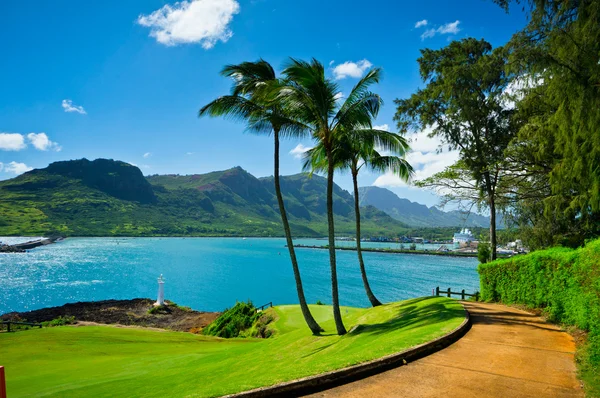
416, 214
112, 198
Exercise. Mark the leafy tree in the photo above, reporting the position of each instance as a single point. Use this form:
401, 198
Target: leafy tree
357, 149
312, 99
250, 102
558, 49
464, 103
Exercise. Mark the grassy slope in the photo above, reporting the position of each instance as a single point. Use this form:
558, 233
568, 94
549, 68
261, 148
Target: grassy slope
109, 361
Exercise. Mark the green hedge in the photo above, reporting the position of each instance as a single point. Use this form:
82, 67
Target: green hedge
565, 283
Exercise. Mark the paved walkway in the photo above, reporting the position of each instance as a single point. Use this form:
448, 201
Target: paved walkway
507, 353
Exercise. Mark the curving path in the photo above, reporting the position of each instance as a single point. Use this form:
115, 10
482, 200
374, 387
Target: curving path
507, 353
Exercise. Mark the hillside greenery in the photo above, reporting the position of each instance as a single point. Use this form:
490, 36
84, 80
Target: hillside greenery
564, 283
137, 362
112, 198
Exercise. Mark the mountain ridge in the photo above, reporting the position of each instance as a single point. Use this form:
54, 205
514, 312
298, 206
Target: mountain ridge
416, 214
112, 198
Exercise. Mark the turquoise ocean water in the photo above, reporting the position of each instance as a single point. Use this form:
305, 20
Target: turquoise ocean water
210, 274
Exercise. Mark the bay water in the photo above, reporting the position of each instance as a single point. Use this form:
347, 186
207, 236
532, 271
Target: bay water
211, 274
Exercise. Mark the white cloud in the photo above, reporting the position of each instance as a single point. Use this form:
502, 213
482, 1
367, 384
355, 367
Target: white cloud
338, 96
1, 166
68, 106
351, 69
197, 21
133, 164
427, 34
147, 155
12, 142
299, 150
383, 127
448, 28
17, 168
427, 157
42, 142
189, 153
421, 23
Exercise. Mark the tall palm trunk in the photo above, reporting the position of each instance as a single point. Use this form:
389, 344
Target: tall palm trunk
337, 316
363, 272
310, 321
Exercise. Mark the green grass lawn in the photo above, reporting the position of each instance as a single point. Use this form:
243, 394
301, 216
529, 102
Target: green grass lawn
111, 361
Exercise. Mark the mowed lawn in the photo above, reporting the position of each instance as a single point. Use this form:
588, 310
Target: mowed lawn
72, 361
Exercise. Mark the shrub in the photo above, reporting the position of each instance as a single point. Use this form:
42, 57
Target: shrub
159, 309
319, 302
60, 321
483, 252
233, 321
565, 283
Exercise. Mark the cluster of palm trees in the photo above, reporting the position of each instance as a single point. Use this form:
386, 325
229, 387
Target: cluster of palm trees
304, 102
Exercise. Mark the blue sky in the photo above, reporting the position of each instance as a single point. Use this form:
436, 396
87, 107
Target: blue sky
125, 79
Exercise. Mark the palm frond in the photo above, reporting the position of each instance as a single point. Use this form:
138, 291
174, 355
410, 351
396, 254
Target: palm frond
397, 165
231, 107
249, 76
361, 88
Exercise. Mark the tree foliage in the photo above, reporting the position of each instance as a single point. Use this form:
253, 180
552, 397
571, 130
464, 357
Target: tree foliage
464, 103
558, 146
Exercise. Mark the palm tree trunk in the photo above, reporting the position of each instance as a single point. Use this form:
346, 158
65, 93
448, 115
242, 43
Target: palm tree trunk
310, 321
363, 272
337, 316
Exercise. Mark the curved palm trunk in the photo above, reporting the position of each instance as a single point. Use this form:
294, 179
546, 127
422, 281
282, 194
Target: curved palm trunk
310, 321
363, 272
337, 316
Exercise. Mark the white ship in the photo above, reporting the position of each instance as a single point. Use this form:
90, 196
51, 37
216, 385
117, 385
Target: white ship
463, 237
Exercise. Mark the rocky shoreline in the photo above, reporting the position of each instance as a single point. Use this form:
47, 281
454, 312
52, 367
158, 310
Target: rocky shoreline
11, 249
136, 312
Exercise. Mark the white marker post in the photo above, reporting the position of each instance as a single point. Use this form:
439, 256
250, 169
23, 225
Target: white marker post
161, 292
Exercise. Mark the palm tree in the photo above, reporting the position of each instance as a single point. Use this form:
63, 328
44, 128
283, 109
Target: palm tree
249, 101
312, 99
357, 149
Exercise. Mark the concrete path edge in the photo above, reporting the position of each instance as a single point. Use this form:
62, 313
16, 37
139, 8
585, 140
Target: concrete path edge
323, 381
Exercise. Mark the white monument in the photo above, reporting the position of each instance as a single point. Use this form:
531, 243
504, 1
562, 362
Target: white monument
161, 292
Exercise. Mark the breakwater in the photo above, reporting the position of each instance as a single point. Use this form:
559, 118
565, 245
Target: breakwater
395, 251
23, 247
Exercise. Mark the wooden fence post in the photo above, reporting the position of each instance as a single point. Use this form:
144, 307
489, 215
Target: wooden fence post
463, 294
2, 383
437, 291
477, 296
449, 292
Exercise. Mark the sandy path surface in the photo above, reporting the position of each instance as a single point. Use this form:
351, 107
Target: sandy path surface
507, 353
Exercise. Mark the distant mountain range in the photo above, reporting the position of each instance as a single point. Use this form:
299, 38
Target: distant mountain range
415, 214
112, 198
